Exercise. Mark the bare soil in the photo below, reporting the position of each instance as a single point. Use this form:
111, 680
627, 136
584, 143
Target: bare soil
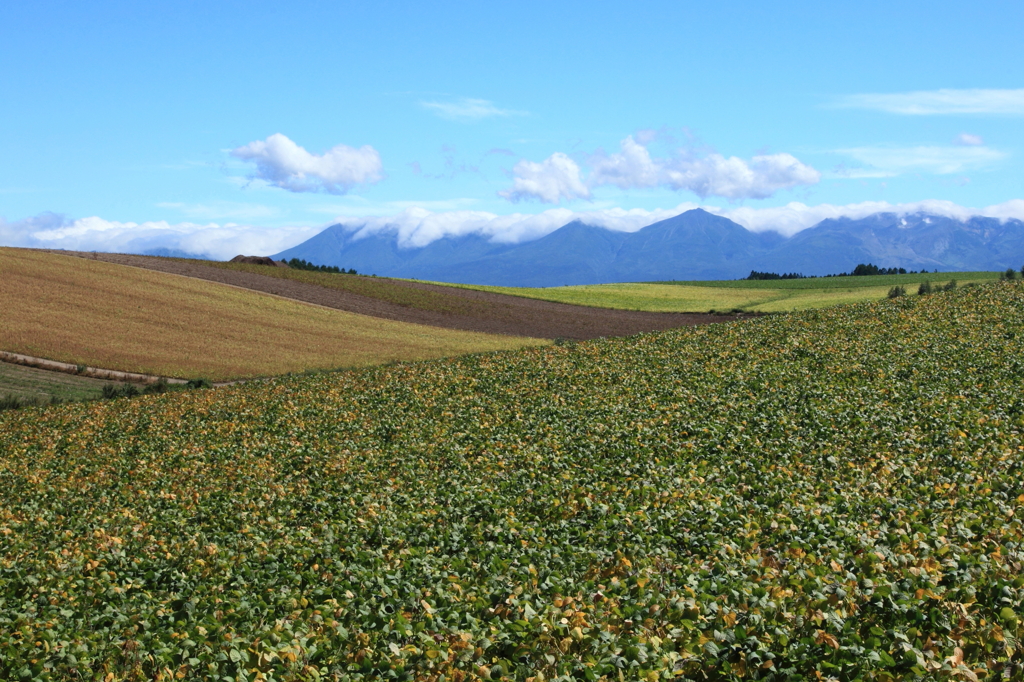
476, 310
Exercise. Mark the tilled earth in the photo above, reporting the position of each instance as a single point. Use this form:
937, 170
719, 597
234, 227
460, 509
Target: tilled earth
476, 311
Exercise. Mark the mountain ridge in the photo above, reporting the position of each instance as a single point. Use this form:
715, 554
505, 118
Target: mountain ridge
694, 245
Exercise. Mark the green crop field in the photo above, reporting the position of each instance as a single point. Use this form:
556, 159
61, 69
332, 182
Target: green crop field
847, 282
828, 495
748, 295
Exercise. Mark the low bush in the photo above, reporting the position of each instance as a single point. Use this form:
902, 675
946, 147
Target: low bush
113, 391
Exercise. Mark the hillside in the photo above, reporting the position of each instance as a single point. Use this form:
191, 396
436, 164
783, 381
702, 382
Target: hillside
420, 302
105, 315
694, 245
830, 494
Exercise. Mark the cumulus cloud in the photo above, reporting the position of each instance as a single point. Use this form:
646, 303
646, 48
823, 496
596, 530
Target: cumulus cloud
734, 178
634, 167
282, 163
553, 179
631, 167
892, 161
945, 101
468, 109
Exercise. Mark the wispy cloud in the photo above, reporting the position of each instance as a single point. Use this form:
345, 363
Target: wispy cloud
468, 109
967, 139
934, 102
282, 163
879, 162
221, 210
558, 177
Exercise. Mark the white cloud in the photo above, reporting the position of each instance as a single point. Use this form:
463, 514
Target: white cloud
553, 179
468, 109
282, 163
634, 167
734, 178
795, 216
969, 140
631, 167
212, 240
929, 102
892, 161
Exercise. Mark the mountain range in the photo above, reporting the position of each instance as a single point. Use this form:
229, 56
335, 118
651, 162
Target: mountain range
695, 245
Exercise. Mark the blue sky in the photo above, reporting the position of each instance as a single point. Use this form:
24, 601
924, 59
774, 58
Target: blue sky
256, 124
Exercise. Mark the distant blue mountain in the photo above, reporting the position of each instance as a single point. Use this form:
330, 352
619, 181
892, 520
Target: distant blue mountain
165, 252
691, 246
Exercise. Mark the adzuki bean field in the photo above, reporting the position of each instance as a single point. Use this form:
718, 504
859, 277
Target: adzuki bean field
828, 495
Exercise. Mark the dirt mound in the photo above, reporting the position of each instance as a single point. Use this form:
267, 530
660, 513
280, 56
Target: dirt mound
257, 260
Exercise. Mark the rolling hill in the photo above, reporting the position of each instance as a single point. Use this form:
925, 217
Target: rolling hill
106, 315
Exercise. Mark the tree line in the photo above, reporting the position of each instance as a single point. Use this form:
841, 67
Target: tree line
300, 264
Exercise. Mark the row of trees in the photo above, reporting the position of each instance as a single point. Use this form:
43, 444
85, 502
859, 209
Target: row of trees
300, 264
754, 274
862, 269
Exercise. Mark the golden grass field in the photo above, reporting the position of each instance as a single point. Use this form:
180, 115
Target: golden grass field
116, 317
767, 296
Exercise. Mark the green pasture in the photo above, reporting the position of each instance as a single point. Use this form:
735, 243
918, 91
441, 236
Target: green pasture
32, 384
766, 296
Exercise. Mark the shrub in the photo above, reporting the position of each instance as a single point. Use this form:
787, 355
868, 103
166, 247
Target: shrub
199, 383
11, 402
897, 291
950, 285
1009, 275
112, 391
925, 288
159, 387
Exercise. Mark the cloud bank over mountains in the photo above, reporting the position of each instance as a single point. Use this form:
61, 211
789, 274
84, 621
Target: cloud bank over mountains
221, 241
416, 227
559, 177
